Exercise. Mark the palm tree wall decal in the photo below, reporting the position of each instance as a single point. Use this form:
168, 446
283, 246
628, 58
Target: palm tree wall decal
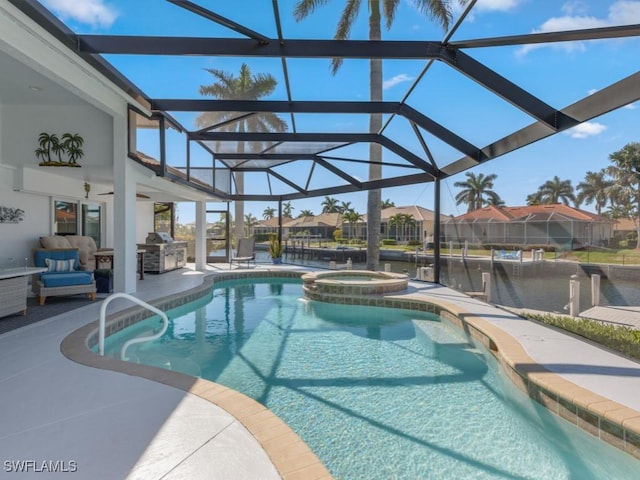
70, 144
245, 86
439, 10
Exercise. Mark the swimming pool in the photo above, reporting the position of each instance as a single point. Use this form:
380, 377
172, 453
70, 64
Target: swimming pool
375, 392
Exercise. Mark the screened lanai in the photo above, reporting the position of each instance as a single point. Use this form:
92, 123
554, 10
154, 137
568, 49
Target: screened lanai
332, 127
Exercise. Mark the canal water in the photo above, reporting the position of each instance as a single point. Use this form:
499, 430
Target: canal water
542, 286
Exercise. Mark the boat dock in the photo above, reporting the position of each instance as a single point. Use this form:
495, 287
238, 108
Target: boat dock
624, 316
339, 254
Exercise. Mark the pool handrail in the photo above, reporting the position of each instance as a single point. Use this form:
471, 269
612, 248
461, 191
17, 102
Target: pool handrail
103, 321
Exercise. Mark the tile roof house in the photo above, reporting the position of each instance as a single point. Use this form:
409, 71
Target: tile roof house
421, 230
555, 224
270, 225
322, 225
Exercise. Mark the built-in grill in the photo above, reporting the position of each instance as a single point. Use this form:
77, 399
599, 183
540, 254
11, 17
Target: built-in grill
163, 254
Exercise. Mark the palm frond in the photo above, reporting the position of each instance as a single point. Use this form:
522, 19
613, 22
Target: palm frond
389, 8
304, 8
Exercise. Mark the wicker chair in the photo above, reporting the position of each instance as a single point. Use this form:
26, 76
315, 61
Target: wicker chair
53, 283
86, 248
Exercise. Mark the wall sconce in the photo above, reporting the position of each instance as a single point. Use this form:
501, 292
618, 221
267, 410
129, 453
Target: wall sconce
87, 189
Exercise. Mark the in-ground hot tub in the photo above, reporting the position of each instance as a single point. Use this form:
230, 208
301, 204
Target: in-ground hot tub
351, 283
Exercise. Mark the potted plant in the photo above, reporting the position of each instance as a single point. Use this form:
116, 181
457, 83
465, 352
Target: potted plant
275, 250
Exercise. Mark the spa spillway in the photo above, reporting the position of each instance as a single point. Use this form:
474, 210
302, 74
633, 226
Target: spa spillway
330, 286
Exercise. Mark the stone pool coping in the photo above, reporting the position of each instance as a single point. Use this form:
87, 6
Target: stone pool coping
612, 422
332, 282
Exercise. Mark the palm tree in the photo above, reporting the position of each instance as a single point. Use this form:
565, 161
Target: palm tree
401, 221
534, 199
305, 213
330, 205
345, 207
250, 221
476, 191
287, 210
625, 173
556, 190
439, 10
268, 213
594, 189
387, 204
243, 87
352, 218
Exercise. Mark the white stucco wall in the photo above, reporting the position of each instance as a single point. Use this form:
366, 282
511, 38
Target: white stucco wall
17, 239
22, 124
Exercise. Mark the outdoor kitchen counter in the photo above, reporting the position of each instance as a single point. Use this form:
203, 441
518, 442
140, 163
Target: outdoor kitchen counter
164, 257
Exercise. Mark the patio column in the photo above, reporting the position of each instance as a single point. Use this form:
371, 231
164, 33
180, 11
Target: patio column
124, 212
436, 231
201, 233
280, 221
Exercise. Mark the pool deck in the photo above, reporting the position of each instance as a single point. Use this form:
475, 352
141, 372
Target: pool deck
113, 425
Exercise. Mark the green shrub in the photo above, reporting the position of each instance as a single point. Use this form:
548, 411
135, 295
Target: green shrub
389, 241
414, 243
263, 237
625, 340
337, 234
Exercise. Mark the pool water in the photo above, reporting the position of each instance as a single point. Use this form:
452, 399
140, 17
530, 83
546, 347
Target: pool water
376, 393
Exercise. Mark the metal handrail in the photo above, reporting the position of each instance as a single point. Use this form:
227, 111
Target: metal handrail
103, 321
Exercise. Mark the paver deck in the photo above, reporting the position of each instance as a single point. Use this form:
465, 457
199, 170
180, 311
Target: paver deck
623, 316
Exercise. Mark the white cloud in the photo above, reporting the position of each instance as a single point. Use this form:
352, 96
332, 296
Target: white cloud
91, 12
499, 5
392, 82
621, 12
586, 129
630, 106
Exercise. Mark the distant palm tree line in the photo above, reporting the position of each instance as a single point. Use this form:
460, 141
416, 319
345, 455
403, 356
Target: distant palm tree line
616, 186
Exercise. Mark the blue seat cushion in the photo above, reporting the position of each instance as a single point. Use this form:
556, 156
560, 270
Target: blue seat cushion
40, 256
66, 279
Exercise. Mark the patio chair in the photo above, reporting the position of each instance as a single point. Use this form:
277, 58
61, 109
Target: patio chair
62, 276
245, 251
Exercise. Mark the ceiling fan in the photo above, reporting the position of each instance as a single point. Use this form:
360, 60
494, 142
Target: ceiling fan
138, 195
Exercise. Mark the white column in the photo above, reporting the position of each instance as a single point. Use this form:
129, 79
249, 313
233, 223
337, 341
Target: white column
595, 290
486, 286
574, 296
124, 212
201, 234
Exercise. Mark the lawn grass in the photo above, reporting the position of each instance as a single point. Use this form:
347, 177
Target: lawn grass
625, 340
614, 257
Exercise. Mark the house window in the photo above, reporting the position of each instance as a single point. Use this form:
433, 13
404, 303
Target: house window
65, 221
92, 221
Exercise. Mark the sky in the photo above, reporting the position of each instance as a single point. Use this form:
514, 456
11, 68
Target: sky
559, 75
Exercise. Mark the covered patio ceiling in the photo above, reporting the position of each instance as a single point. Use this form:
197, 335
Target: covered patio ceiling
290, 162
